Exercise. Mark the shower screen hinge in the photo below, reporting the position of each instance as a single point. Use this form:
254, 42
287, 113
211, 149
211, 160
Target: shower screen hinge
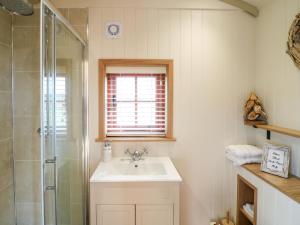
51, 160
50, 188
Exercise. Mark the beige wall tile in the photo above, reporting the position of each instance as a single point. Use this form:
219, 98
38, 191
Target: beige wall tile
76, 214
78, 16
5, 67
6, 148
5, 27
27, 103
7, 213
29, 214
6, 163
26, 94
63, 193
6, 127
26, 49
26, 126
33, 20
82, 30
28, 181
76, 180
67, 150
64, 12
5, 106
27, 147
5, 115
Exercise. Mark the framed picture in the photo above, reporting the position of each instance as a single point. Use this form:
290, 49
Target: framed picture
276, 160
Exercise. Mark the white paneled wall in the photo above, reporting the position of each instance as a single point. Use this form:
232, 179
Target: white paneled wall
277, 81
277, 78
213, 53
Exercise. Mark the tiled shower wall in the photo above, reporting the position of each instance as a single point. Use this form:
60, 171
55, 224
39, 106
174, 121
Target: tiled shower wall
78, 18
26, 113
21, 136
70, 200
7, 216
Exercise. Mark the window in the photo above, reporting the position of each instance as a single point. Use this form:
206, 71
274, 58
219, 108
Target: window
61, 106
135, 105
135, 99
62, 103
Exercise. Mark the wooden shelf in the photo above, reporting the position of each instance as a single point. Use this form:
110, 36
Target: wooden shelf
247, 215
290, 186
277, 129
246, 193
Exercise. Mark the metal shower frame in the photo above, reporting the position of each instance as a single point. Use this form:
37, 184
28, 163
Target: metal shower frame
85, 155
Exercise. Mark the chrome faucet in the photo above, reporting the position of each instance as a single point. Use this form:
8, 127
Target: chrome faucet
136, 155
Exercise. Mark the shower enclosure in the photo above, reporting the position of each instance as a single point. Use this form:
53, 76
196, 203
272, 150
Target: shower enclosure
43, 158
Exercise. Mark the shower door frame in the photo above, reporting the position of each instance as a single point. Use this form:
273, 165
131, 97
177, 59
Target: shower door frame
85, 156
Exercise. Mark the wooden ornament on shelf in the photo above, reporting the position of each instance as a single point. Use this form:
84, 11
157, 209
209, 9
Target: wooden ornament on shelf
227, 221
254, 112
293, 44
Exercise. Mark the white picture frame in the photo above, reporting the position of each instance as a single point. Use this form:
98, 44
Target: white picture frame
276, 160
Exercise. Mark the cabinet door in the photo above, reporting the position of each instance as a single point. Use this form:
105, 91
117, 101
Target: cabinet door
154, 215
115, 215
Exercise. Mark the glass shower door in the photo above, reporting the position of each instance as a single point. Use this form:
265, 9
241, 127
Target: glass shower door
63, 127
69, 127
48, 123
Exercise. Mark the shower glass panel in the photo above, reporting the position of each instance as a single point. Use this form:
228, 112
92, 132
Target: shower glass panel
7, 205
48, 128
69, 126
63, 126
42, 127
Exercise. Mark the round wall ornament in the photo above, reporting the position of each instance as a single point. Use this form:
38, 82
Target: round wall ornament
113, 29
293, 45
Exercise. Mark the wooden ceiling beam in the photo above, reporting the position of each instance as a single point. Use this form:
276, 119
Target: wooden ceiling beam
247, 7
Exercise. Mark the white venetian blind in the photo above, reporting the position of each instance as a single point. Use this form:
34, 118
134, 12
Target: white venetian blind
61, 106
136, 103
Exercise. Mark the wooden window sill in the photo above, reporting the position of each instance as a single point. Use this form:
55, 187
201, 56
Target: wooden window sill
135, 139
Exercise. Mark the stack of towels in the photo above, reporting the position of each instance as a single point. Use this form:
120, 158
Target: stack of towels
243, 154
249, 208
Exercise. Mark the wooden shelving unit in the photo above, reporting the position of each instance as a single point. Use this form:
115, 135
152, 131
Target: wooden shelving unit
277, 129
247, 215
289, 187
246, 193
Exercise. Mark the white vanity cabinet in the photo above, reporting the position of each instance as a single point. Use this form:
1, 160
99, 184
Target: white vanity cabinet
154, 214
135, 193
115, 214
135, 214
134, 203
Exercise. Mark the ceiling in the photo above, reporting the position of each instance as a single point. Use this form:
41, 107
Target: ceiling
258, 3
206, 4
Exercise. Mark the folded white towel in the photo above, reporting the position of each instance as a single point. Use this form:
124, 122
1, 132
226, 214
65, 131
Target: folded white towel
249, 208
244, 150
243, 154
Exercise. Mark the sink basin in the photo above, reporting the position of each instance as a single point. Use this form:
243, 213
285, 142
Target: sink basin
124, 170
137, 168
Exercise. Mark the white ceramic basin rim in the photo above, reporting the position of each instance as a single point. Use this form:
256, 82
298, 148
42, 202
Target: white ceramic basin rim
124, 170
138, 168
